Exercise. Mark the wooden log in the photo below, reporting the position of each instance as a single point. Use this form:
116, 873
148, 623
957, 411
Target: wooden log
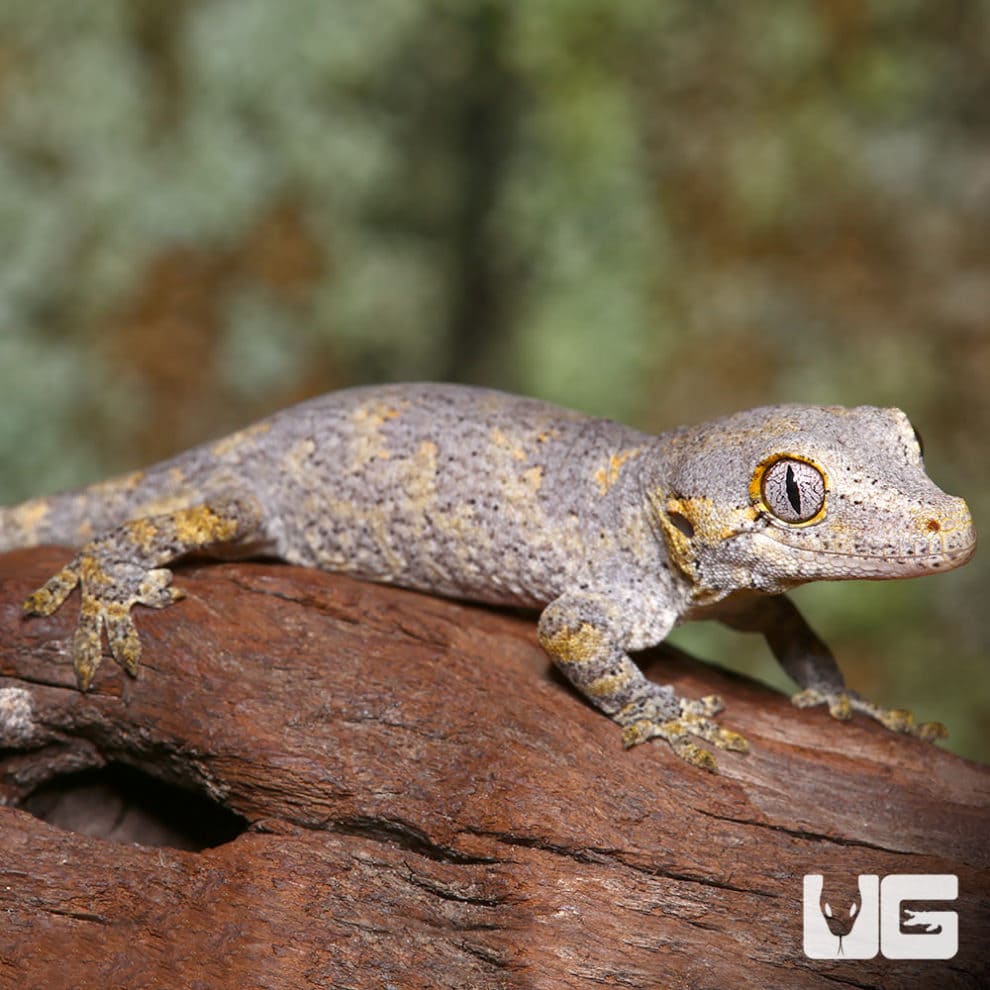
422, 802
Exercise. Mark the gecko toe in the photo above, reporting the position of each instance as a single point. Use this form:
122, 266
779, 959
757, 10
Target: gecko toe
710, 704
49, 597
125, 644
677, 732
712, 732
156, 590
839, 704
901, 720
931, 731
842, 704
696, 755
727, 739
86, 647
839, 707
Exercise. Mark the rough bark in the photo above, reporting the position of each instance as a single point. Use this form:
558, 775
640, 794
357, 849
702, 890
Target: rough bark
424, 803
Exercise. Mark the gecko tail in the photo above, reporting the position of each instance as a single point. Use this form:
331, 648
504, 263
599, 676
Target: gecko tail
35, 522
71, 518
66, 519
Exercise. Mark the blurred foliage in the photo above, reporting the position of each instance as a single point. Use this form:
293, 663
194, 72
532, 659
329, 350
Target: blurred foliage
658, 212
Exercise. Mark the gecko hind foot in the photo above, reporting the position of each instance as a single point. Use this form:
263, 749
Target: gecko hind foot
842, 704
120, 569
694, 719
110, 588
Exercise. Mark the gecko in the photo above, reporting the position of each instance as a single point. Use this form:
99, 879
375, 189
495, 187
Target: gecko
615, 535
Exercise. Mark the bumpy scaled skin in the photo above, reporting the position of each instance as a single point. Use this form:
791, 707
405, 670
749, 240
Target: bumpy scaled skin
618, 536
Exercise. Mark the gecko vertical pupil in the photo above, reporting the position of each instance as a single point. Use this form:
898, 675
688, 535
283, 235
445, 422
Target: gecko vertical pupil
793, 490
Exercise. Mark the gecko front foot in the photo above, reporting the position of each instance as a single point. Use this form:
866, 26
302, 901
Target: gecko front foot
110, 588
655, 719
842, 704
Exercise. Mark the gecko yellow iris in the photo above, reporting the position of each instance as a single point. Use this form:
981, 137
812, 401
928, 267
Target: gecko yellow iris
791, 488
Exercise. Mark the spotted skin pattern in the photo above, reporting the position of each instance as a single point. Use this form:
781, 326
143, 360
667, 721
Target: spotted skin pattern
618, 536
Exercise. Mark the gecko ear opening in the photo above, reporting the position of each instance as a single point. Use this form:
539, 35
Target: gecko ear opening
682, 523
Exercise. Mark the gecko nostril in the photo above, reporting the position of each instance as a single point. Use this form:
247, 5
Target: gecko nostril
933, 525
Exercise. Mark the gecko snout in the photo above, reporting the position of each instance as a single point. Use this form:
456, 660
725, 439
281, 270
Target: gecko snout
950, 527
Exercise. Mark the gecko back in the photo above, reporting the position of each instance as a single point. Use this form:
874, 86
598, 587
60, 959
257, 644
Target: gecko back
459, 491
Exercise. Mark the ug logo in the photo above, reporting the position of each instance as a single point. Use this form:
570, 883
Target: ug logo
875, 920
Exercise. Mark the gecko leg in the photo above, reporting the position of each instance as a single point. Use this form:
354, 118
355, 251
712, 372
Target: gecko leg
575, 632
807, 660
123, 568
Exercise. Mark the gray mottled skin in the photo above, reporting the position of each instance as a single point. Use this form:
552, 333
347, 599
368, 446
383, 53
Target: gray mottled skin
471, 493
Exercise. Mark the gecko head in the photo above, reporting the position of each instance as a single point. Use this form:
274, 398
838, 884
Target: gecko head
777, 496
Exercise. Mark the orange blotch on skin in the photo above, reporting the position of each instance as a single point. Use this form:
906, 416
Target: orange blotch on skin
608, 475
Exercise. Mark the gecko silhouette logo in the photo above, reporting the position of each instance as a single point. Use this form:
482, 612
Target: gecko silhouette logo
875, 920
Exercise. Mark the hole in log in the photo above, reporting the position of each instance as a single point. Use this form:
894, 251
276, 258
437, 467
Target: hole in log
125, 805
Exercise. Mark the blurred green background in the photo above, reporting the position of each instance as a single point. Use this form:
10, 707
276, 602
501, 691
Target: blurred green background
658, 212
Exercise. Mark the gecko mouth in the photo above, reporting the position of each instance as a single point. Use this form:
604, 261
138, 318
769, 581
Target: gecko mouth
893, 562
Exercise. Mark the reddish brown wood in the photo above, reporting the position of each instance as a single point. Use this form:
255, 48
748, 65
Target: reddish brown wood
429, 805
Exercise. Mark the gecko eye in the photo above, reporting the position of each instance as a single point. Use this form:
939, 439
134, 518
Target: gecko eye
792, 490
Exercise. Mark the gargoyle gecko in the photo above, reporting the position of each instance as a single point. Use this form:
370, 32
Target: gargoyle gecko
618, 536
